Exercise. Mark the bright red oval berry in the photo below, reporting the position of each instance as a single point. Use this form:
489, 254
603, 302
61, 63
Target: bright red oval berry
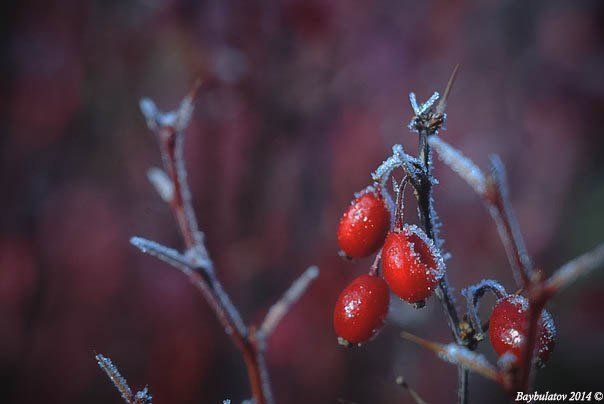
361, 309
364, 225
411, 263
508, 327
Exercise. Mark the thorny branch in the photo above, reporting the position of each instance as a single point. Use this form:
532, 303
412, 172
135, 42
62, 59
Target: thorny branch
494, 191
171, 184
426, 122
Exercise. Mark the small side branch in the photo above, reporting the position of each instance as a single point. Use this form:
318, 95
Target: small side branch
494, 192
458, 355
290, 297
572, 270
507, 225
141, 397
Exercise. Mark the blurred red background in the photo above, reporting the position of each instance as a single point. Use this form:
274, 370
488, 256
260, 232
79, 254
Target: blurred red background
301, 101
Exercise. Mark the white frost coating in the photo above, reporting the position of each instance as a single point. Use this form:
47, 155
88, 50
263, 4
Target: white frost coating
460, 355
166, 254
116, 378
398, 159
184, 114
460, 164
439, 271
178, 119
419, 110
291, 296
161, 182
149, 111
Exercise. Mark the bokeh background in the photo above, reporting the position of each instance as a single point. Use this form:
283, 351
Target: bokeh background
301, 101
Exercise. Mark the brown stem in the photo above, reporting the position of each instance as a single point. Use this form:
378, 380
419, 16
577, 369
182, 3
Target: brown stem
171, 147
253, 373
497, 199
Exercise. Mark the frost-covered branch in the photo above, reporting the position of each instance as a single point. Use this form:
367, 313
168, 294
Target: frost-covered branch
509, 231
166, 254
460, 164
580, 266
398, 159
282, 307
458, 355
141, 397
171, 184
473, 294
494, 192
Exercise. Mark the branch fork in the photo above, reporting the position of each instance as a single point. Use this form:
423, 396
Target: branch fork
172, 186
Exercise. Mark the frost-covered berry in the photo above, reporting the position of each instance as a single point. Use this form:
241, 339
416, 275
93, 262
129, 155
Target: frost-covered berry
364, 225
411, 263
361, 309
508, 328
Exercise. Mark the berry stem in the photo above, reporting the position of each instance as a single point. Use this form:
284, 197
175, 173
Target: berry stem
473, 294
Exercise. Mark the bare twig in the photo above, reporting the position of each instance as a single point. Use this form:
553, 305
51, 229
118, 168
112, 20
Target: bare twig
576, 268
171, 183
442, 105
509, 231
141, 397
282, 307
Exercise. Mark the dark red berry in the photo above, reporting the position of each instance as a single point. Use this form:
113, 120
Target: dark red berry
412, 265
364, 225
361, 309
508, 327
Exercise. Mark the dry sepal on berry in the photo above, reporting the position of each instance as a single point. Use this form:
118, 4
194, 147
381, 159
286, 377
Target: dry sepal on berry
508, 328
361, 309
412, 264
364, 225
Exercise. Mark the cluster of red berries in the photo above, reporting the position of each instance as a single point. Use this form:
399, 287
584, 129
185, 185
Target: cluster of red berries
411, 266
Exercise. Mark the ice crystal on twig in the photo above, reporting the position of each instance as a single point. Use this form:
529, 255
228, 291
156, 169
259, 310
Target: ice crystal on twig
141, 397
162, 183
115, 376
421, 109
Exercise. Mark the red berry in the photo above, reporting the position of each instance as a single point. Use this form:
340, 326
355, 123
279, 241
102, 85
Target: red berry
508, 327
411, 263
361, 309
364, 225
